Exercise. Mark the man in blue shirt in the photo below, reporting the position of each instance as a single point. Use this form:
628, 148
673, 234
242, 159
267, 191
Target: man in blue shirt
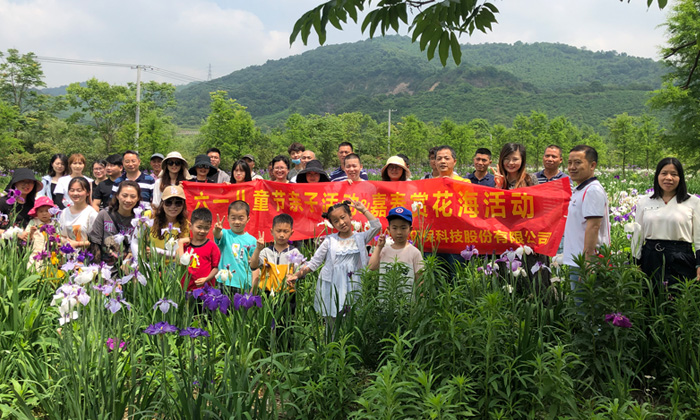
131, 162
552, 160
344, 149
481, 175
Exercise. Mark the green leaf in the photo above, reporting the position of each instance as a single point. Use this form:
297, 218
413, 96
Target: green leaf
456, 49
444, 50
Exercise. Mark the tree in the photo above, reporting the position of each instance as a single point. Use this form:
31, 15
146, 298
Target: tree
229, 127
623, 137
20, 76
438, 23
681, 89
650, 144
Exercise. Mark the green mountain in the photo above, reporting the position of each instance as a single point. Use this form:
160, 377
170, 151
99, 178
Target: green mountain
494, 81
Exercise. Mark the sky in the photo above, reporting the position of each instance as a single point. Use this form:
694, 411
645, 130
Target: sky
187, 36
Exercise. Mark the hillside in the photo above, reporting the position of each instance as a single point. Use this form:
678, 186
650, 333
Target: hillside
494, 81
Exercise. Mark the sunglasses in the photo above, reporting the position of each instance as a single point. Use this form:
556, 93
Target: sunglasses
174, 163
176, 203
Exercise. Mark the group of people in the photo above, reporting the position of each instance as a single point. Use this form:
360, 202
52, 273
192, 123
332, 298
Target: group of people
99, 215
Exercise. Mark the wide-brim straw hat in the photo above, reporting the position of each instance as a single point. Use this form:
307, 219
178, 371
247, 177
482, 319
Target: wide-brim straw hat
396, 160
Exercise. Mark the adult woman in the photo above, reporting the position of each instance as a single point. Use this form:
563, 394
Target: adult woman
203, 170
24, 181
241, 172
511, 172
112, 232
76, 221
174, 171
169, 221
280, 168
99, 171
313, 173
395, 170
57, 169
667, 226
76, 166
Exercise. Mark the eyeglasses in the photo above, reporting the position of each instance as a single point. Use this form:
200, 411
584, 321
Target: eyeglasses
174, 163
174, 203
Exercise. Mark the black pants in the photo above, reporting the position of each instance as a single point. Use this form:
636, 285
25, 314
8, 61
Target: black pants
667, 261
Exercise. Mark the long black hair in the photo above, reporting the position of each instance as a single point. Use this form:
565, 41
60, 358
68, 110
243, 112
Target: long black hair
63, 158
681, 190
245, 167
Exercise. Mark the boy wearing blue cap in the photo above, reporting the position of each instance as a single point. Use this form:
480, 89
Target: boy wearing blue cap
400, 221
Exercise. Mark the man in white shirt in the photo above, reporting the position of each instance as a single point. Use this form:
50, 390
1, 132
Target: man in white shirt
588, 222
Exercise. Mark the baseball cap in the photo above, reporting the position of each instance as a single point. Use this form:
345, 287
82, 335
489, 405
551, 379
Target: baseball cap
400, 212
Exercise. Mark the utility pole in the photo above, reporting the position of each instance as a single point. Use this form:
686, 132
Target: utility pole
209, 74
388, 137
138, 105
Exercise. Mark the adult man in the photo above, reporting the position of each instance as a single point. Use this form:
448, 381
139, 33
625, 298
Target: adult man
306, 157
156, 164
552, 159
481, 175
295, 150
445, 161
344, 149
215, 159
431, 160
132, 162
250, 160
101, 194
588, 222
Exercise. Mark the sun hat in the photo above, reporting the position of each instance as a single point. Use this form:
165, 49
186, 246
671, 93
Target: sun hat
202, 160
175, 156
313, 166
400, 212
22, 174
41, 202
396, 160
173, 191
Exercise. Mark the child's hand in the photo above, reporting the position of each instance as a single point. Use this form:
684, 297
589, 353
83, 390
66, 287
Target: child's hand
200, 281
358, 206
291, 279
23, 236
32, 230
184, 241
260, 244
382, 240
218, 226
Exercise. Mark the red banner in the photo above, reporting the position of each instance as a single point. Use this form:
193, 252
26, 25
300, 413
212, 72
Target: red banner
450, 216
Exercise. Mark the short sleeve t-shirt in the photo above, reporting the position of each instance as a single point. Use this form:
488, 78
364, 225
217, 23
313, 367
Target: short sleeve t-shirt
235, 255
587, 200
77, 226
408, 255
102, 192
205, 257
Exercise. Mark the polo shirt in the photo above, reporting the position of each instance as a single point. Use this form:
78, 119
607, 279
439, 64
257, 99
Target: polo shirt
542, 178
146, 183
587, 200
340, 175
488, 180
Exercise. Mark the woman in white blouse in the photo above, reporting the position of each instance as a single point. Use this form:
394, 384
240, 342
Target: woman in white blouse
667, 227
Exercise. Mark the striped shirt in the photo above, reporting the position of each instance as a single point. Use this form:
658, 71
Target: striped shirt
146, 183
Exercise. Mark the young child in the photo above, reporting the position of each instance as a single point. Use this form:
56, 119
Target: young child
273, 260
204, 254
236, 246
40, 216
344, 254
400, 220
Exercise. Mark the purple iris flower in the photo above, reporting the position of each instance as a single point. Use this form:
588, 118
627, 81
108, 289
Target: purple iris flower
246, 301
67, 249
194, 332
618, 320
469, 252
110, 345
164, 305
48, 228
160, 328
116, 303
41, 255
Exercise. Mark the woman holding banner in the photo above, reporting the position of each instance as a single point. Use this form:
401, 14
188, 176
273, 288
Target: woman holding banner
279, 169
395, 170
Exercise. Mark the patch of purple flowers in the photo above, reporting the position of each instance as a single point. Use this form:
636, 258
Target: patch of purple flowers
469, 252
14, 196
110, 345
212, 298
67, 249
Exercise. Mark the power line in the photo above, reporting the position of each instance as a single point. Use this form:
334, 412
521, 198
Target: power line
152, 69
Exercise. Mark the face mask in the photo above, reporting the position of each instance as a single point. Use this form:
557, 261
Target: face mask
296, 161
